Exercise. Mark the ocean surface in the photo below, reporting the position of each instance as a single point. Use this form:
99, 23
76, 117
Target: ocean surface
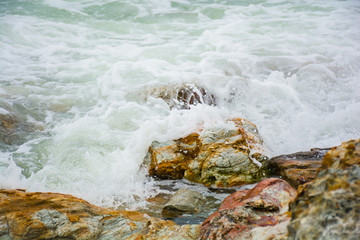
81, 80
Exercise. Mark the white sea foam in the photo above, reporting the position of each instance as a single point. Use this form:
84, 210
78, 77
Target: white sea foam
80, 69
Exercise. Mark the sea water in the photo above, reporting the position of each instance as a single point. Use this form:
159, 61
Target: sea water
76, 78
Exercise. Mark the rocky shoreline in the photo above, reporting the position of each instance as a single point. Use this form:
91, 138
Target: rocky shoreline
305, 195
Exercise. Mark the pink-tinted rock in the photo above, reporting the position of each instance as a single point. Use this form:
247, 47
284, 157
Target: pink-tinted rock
233, 200
242, 212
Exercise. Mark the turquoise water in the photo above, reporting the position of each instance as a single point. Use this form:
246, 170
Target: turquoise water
77, 78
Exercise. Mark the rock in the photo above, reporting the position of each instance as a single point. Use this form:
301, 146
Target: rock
58, 216
155, 204
166, 161
169, 160
228, 157
185, 95
248, 214
152, 229
329, 207
166, 230
44, 216
183, 201
297, 168
8, 125
14, 125
342, 157
233, 200
276, 232
221, 157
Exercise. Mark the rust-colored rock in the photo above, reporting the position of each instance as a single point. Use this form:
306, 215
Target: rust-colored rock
169, 160
221, 157
166, 161
297, 168
58, 216
328, 207
263, 206
234, 200
50, 215
342, 157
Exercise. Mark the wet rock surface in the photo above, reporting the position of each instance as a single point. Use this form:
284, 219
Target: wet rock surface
58, 216
14, 125
184, 96
212, 198
297, 168
329, 207
184, 201
220, 157
244, 214
170, 159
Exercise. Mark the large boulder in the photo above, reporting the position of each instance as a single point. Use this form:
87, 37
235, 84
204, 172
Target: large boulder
58, 216
222, 157
249, 214
328, 207
297, 168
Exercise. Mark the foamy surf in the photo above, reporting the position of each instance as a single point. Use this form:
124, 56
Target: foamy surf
79, 78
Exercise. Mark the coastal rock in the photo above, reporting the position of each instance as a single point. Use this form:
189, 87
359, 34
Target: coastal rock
169, 160
297, 168
166, 230
250, 213
183, 201
185, 95
166, 161
221, 157
328, 207
233, 200
58, 216
14, 125
45, 216
342, 157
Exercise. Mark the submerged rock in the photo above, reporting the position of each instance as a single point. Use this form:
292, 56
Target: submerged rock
59, 216
220, 157
247, 213
184, 96
297, 168
14, 125
329, 207
183, 201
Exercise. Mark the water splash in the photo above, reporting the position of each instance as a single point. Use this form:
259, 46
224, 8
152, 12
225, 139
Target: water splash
82, 73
